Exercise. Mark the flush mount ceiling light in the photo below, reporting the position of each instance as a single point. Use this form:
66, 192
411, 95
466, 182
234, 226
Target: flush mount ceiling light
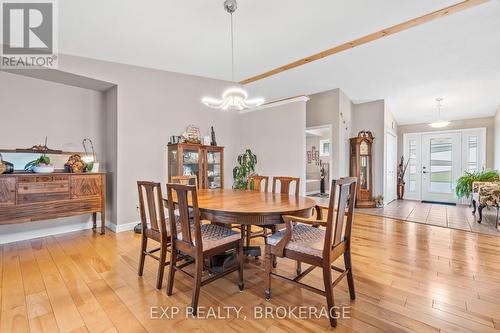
235, 98
439, 123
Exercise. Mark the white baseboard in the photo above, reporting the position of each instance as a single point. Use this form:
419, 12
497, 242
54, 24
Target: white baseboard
116, 228
38, 231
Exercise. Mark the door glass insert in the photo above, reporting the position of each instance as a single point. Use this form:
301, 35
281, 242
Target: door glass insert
472, 154
412, 164
441, 165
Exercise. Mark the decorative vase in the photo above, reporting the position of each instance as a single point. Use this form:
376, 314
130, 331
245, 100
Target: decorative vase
401, 191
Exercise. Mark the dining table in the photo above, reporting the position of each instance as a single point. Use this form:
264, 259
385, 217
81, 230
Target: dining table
247, 208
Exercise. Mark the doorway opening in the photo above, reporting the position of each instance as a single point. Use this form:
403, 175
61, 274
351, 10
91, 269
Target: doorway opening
318, 160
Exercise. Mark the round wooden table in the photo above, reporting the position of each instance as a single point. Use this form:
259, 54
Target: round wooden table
246, 208
249, 207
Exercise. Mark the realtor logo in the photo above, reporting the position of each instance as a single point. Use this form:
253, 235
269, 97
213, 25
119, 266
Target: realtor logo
28, 32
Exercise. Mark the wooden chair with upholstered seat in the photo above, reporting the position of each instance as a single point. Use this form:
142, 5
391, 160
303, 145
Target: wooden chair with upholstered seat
318, 243
185, 180
198, 241
154, 226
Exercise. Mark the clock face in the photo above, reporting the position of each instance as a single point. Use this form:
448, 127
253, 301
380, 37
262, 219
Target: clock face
363, 148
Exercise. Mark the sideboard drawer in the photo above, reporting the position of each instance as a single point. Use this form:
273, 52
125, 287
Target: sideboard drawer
41, 197
40, 188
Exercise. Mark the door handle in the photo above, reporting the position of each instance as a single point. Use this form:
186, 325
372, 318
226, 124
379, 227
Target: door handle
424, 171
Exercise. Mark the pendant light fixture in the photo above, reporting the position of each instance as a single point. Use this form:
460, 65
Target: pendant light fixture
235, 98
439, 123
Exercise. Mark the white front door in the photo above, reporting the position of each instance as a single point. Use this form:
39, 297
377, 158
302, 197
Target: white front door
441, 166
391, 164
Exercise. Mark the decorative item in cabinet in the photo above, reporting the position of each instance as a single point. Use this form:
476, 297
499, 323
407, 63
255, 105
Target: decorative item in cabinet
185, 159
361, 166
213, 167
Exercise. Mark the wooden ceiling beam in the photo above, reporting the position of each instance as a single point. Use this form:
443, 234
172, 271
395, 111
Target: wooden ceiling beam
370, 38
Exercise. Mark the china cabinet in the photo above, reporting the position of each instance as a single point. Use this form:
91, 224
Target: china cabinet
204, 162
361, 167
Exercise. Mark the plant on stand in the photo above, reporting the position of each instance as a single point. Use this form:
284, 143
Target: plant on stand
246, 167
464, 183
402, 166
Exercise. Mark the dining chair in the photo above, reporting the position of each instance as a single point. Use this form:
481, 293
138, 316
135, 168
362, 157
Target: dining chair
254, 183
285, 183
154, 227
318, 242
198, 241
185, 180
258, 184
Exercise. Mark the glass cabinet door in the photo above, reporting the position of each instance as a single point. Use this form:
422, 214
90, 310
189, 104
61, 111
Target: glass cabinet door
213, 165
190, 162
173, 161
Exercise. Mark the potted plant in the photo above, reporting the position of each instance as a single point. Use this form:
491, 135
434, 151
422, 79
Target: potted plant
40, 165
464, 183
402, 166
246, 167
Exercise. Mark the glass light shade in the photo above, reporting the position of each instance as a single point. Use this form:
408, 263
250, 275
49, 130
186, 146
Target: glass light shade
439, 124
232, 99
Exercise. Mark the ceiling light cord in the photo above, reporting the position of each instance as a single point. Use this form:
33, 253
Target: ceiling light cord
232, 49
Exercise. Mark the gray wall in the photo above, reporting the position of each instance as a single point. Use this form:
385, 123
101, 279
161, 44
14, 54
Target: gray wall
371, 116
489, 123
277, 136
323, 109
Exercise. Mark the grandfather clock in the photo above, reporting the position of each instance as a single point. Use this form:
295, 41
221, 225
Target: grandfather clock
361, 168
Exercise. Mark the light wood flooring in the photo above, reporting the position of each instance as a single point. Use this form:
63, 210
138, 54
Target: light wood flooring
409, 278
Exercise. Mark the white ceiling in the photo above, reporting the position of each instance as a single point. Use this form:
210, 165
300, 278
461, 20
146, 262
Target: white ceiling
456, 57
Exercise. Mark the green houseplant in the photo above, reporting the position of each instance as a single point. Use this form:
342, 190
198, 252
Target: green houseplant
245, 168
464, 183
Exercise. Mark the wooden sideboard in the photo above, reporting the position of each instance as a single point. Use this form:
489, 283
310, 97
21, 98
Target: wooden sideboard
26, 197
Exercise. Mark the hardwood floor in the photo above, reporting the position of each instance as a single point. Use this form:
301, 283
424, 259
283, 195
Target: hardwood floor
409, 277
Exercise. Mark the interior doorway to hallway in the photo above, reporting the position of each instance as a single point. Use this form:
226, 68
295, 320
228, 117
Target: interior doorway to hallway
318, 160
438, 159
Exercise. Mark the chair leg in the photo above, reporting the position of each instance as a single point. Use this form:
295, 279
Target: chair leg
161, 266
269, 263
239, 252
350, 278
197, 283
275, 261
248, 234
144, 246
171, 272
298, 267
327, 279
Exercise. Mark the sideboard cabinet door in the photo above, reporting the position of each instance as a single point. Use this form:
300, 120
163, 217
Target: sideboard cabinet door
7, 191
85, 186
